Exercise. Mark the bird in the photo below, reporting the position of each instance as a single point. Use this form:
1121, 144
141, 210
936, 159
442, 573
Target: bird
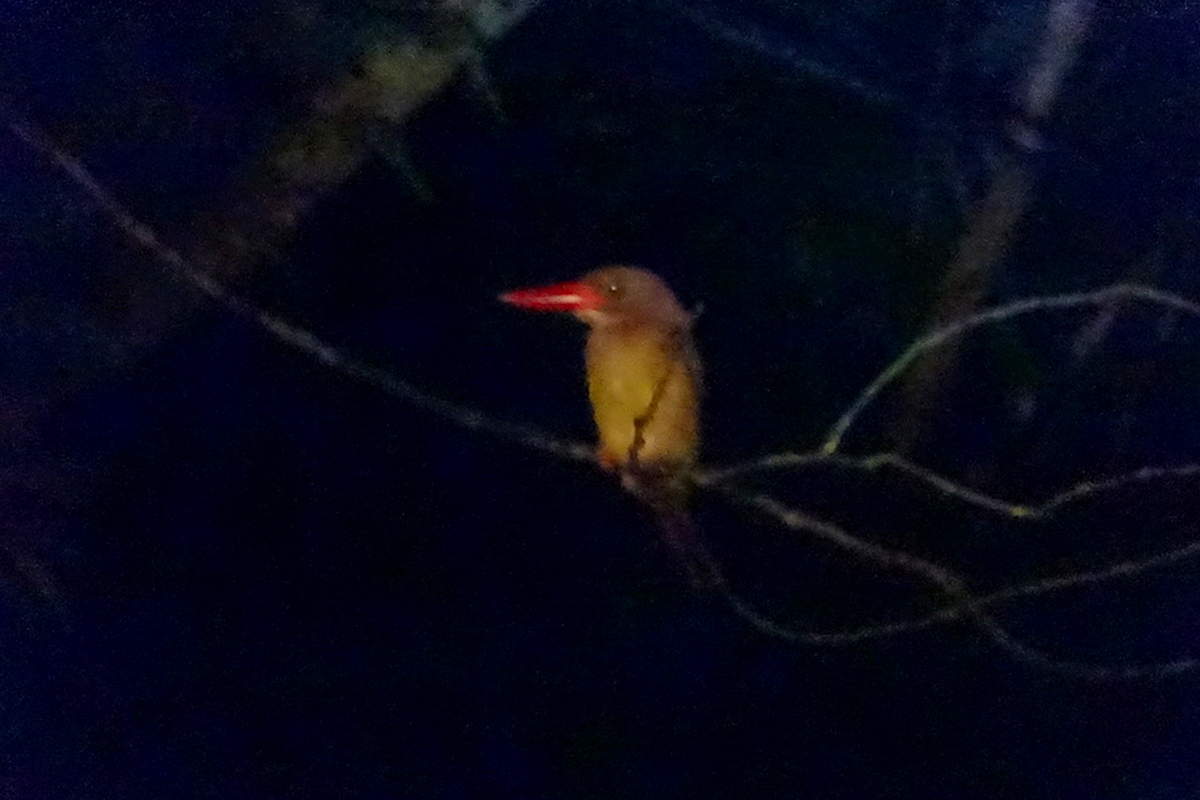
644, 383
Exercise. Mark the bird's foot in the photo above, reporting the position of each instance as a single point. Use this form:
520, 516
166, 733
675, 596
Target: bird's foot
608, 460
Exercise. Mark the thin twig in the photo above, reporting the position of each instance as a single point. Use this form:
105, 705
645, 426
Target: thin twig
872, 463
947, 333
966, 606
1085, 489
952, 613
747, 36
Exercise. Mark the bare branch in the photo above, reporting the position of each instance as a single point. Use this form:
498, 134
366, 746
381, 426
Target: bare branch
871, 463
945, 486
1123, 569
1066, 27
951, 331
762, 41
966, 607
1085, 489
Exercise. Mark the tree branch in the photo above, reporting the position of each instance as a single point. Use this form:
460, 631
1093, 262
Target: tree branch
963, 605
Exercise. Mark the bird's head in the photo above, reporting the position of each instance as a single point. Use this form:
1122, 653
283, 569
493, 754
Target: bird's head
609, 296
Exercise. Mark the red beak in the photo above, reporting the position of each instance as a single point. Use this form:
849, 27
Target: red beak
569, 296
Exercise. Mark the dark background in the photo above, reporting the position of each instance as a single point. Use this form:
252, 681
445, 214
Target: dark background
231, 572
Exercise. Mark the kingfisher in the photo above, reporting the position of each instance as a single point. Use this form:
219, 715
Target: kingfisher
644, 384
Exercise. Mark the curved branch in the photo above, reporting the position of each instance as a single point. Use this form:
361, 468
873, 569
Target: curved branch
965, 606
948, 333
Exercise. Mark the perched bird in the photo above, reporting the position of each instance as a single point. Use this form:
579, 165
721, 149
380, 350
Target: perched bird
644, 383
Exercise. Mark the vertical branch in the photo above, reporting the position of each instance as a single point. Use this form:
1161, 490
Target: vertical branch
983, 246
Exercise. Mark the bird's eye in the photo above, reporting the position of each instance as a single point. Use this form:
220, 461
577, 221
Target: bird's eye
613, 289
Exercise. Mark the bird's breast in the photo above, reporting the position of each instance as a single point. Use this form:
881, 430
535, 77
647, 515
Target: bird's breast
647, 377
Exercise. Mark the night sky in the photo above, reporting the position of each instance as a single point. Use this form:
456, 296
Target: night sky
267, 579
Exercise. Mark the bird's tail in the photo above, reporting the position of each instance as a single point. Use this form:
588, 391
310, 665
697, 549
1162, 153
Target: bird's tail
682, 537
666, 492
